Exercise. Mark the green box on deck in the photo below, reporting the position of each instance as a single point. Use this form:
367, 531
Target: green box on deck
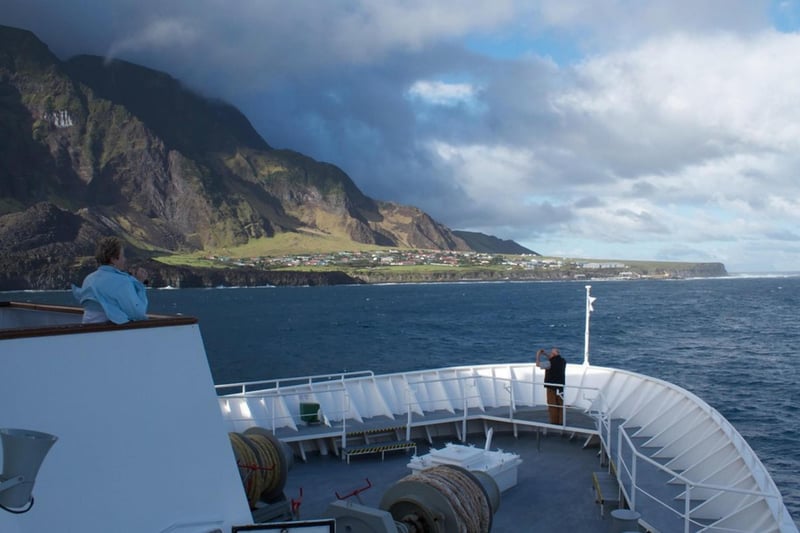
309, 412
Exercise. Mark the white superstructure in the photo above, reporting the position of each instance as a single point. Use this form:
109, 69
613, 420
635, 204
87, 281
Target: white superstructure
141, 443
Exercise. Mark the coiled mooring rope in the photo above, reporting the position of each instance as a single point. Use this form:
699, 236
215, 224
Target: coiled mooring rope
269, 457
463, 493
259, 464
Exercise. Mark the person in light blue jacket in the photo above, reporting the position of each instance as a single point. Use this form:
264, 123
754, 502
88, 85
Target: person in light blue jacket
110, 293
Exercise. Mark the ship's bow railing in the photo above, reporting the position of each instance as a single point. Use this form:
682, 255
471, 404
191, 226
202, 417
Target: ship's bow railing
680, 463
514, 394
746, 509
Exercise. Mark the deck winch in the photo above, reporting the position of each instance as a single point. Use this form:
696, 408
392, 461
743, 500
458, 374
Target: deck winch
441, 499
444, 499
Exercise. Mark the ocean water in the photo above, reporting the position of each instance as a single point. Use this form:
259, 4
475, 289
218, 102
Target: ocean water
735, 342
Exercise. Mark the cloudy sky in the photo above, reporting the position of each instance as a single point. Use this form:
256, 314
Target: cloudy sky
626, 129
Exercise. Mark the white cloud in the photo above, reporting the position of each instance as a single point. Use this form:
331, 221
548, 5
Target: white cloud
158, 34
729, 101
441, 93
735, 89
368, 29
508, 181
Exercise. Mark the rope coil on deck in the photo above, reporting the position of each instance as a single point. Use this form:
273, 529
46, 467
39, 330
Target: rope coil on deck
442, 499
467, 499
261, 465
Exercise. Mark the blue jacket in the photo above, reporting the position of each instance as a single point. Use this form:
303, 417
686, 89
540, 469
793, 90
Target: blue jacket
121, 296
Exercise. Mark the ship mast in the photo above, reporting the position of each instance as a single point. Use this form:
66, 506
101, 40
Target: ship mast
589, 300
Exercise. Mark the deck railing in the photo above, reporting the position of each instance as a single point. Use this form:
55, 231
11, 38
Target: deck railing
461, 395
247, 387
627, 466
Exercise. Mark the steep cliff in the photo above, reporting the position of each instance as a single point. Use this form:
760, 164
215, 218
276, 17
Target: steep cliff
127, 150
171, 169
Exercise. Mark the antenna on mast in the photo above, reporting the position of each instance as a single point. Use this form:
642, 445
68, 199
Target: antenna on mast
589, 300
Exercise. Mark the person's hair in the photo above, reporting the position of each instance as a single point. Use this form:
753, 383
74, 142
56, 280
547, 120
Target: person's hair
107, 249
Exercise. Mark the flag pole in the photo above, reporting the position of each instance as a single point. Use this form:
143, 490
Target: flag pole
589, 300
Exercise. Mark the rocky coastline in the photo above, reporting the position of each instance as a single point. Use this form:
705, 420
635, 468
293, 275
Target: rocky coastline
43, 273
60, 277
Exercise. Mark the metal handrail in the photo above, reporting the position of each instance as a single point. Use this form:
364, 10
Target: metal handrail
294, 382
602, 416
688, 484
277, 393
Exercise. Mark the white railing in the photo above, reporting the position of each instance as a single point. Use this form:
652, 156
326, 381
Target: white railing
630, 486
275, 402
281, 399
254, 386
463, 401
603, 420
628, 477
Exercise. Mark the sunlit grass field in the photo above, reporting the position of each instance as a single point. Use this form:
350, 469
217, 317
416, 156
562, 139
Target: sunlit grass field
300, 244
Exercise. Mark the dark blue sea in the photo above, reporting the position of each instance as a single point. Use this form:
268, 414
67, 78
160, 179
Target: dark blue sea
734, 342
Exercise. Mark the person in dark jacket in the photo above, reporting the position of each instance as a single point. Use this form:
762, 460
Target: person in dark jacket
554, 373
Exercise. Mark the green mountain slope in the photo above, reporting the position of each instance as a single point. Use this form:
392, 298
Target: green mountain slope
142, 155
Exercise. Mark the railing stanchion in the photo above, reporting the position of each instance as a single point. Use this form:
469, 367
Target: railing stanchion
634, 480
345, 410
687, 508
274, 429
510, 401
408, 407
464, 422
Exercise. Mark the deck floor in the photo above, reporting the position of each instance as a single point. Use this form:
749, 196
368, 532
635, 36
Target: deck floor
554, 491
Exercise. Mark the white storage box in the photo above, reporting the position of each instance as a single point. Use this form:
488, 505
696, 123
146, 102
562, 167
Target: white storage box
502, 466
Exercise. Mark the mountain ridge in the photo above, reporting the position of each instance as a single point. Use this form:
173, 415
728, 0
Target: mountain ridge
114, 147
91, 147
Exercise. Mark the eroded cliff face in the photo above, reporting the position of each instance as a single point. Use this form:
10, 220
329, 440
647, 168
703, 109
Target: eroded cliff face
40, 247
185, 277
418, 229
132, 151
700, 270
46, 247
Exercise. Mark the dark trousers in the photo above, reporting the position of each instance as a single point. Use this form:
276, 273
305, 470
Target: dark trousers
554, 404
